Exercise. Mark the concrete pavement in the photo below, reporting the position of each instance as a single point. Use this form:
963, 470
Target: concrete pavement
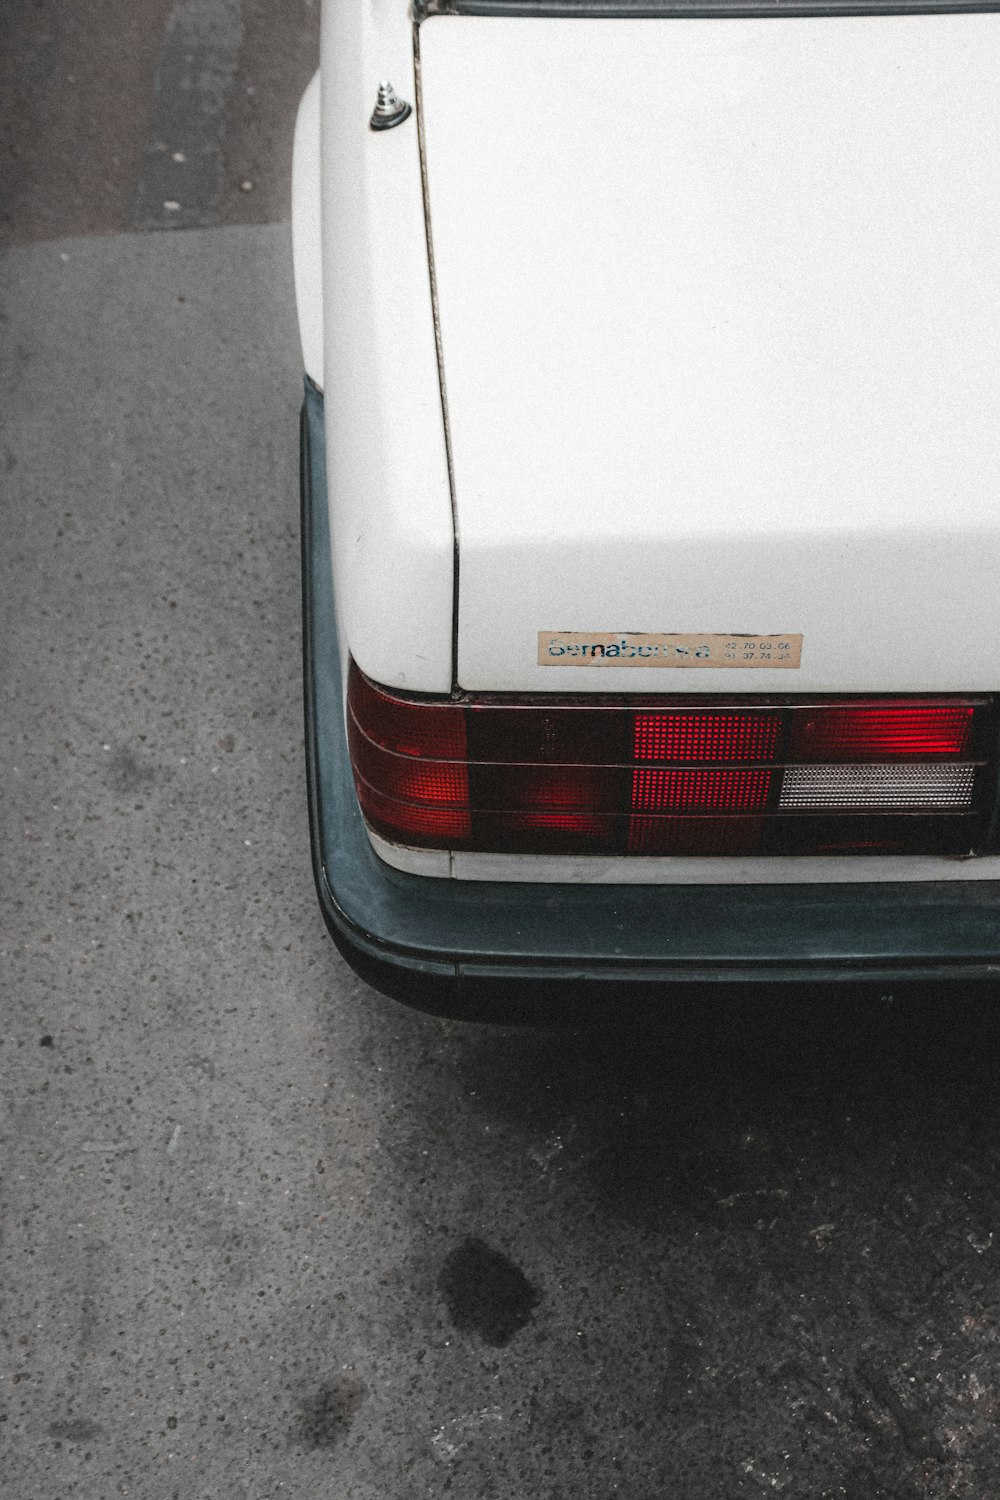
264, 1232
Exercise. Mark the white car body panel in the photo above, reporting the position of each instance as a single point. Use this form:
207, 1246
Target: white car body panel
389, 492
720, 313
307, 237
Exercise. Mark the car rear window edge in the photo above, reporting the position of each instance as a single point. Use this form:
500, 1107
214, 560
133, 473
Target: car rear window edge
694, 9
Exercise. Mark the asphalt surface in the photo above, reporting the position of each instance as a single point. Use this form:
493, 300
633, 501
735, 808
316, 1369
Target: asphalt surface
97, 97
263, 1231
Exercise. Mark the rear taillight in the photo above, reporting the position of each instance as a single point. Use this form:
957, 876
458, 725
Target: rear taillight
695, 777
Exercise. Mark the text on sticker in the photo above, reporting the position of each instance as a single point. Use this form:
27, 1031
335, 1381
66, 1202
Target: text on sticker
573, 648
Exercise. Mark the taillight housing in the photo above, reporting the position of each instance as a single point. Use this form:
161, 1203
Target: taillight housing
688, 776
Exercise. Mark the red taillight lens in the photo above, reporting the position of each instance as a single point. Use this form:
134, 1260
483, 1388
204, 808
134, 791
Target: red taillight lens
633, 776
442, 782
425, 825
876, 731
407, 726
698, 791
688, 836
538, 736
669, 735
410, 769
544, 789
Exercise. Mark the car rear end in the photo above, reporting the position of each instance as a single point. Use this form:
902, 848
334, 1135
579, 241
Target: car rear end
653, 422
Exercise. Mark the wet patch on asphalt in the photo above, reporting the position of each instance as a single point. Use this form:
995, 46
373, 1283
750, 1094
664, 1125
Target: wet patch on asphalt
486, 1293
328, 1414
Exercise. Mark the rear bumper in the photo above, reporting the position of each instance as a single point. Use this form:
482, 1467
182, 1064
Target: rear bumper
504, 951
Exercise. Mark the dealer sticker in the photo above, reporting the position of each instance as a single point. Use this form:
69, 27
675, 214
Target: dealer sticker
575, 648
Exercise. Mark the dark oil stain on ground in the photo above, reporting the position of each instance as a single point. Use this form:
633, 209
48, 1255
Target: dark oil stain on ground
486, 1293
77, 1431
328, 1415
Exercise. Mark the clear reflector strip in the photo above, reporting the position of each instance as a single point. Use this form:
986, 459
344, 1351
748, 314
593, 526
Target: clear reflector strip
937, 788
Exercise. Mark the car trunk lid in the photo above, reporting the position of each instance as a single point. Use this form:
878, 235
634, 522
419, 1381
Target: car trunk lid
720, 329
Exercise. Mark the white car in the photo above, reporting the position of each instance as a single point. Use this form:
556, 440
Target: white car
652, 411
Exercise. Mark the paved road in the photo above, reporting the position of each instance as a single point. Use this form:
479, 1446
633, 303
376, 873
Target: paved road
98, 98
265, 1232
